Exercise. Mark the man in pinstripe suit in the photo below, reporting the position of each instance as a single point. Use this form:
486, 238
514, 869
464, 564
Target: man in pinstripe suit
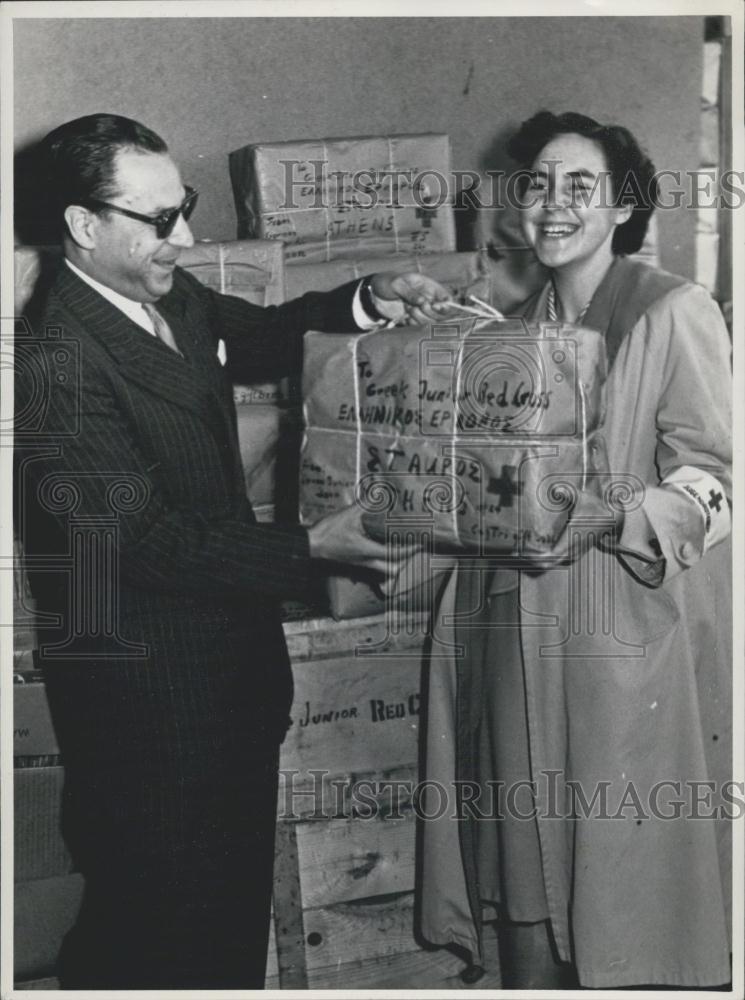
166, 671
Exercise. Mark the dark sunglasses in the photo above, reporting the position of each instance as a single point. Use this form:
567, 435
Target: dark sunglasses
164, 222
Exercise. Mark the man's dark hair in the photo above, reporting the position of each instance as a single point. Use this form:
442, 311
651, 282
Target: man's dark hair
80, 157
632, 173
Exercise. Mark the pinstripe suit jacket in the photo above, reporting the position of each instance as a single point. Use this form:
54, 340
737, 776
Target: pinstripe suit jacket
169, 668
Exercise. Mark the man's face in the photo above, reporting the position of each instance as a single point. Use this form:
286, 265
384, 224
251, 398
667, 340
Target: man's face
128, 256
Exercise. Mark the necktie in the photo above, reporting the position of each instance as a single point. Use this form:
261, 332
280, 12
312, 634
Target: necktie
162, 329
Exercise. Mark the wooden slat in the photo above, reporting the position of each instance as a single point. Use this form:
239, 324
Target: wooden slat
345, 860
431, 969
425, 968
353, 932
353, 714
288, 916
321, 638
310, 794
272, 968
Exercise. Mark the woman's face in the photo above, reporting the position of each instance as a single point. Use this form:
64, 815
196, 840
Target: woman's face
567, 215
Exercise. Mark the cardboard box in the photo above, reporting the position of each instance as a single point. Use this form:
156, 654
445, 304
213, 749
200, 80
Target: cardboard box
475, 435
331, 198
250, 269
461, 273
33, 732
258, 437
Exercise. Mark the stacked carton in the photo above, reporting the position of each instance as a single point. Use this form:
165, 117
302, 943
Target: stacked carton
462, 274
328, 199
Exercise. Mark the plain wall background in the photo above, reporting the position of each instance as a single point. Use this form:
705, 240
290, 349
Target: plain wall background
211, 85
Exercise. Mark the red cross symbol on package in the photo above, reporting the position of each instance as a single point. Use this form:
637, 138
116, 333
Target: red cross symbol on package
506, 486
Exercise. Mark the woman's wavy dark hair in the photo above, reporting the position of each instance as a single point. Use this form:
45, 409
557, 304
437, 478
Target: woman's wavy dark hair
633, 174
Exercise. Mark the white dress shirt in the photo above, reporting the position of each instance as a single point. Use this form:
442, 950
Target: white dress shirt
129, 307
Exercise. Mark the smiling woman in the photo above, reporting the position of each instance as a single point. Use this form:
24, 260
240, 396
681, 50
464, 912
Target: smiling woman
604, 680
569, 221
591, 195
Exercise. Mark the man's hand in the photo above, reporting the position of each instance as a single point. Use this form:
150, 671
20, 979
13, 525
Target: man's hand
424, 299
342, 538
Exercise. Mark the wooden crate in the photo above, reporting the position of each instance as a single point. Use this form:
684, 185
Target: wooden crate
345, 862
345, 867
356, 707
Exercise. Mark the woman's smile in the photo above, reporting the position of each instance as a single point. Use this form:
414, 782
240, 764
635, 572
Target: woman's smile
569, 215
557, 230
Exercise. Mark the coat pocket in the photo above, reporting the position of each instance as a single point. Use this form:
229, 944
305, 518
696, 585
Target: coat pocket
643, 614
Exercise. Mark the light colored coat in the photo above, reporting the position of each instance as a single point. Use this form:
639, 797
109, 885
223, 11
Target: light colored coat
621, 702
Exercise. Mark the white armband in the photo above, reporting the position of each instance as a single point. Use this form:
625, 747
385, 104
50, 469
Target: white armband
707, 493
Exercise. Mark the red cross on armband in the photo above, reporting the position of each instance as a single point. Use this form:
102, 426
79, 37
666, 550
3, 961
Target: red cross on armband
707, 493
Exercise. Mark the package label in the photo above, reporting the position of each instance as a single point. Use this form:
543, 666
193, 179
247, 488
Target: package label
479, 435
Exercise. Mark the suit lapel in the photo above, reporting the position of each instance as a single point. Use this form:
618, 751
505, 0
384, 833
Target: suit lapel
139, 356
199, 347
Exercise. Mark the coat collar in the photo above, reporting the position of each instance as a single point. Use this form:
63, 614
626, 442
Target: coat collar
627, 291
629, 288
139, 356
